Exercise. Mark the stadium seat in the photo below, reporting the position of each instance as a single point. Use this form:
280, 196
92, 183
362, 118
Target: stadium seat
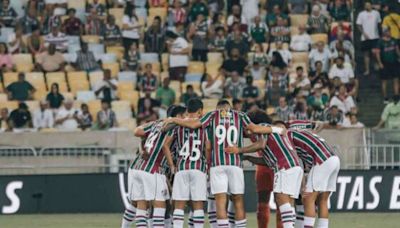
319, 37
215, 57
85, 96
193, 77
108, 58
196, 67
294, 30
113, 67
76, 86
23, 62
56, 77
273, 46
157, 11
175, 85
104, 2
95, 77
213, 68
40, 94
94, 108
129, 124
68, 95
37, 80
127, 76
3, 97
97, 49
77, 76
149, 57
300, 57
76, 4
9, 77
10, 105
118, 13
117, 50
32, 105
210, 104
91, 39
124, 87
298, 19
122, 109
131, 96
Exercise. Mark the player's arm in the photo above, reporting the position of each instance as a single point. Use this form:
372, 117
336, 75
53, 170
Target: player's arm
167, 151
259, 129
208, 152
189, 123
255, 160
259, 145
142, 130
168, 127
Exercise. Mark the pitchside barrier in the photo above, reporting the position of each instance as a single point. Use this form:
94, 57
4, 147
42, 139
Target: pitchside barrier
357, 191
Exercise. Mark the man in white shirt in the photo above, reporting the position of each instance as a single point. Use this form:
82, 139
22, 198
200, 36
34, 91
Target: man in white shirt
345, 73
320, 53
367, 23
178, 56
301, 82
301, 41
285, 53
43, 117
67, 117
352, 122
107, 88
343, 101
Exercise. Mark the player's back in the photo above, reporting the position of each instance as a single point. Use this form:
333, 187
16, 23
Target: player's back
300, 124
226, 128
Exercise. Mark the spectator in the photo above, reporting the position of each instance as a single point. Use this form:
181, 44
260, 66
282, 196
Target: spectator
6, 61
278, 62
250, 10
345, 73
154, 39
258, 31
341, 27
43, 117
4, 120
17, 43
284, 53
237, 41
165, 94
301, 41
57, 38
339, 11
35, 42
392, 22
320, 53
317, 99
390, 115
54, 97
107, 88
298, 6
106, 117
284, 111
85, 119
50, 60
198, 7
352, 122
272, 18
98, 6
146, 108
38, 5
342, 44
272, 5
212, 88
179, 50
51, 20
300, 110
367, 22
189, 94
257, 72
259, 55
8, 15
197, 34
177, 14
59, 5
218, 43
94, 24
130, 27
237, 17
333, 117
340, 51
318, 74
29, 22
112, 33
234, 86
235, 63
251, 94
67, 117
280, 32
302, 84
387, 53
20, 90
85, 60
148, 81
342, 100
237, 105
73, 25
132, 59
317, 22
20, 118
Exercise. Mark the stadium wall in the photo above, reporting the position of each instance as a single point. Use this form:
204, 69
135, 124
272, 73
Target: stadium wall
361, 191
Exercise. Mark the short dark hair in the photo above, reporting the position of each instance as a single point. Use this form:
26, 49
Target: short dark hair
175, 110
299, 68
258, 117
236, 101
194, 105
23, 106
223, 102
171, 34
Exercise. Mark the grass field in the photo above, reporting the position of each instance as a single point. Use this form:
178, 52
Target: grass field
338, 220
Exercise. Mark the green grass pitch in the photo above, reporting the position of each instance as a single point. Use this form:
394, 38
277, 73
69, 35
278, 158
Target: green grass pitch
338, 220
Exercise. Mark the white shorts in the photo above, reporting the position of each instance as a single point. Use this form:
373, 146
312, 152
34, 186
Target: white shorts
190, 185
288, 181
323, 177
161, 188
227, 179
130, 183
144, 184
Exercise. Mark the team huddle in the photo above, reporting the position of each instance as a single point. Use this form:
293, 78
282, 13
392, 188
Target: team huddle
199, 157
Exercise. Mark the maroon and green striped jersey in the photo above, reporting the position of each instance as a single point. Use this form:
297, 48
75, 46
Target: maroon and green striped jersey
190, 148
153, 147
310, 147
300, 124
226, 128
279, 152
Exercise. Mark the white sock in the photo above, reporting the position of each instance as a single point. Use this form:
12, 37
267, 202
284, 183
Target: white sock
223, 223
178, 218
191, 219
212, 212
309, 222
141, 218
299, 216
241, 223
231, 214
129, 216
323, 223
159, 217
287, 215
198, 218
150, 218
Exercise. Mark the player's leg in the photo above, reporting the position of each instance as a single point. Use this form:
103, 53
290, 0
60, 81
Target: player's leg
144, 183
212, 211
179, 213
198, 193
309, 199
180, 195
130, 211
222, 217
231, 212
236, 188
323, 211
264, 184
299, 208
285, 208
159, 204
219, 187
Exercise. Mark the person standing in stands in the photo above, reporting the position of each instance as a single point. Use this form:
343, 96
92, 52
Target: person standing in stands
20, 90
178, 56
130, 27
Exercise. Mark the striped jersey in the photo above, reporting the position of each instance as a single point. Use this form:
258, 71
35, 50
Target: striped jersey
279, 152
301, 124
153, 147
225, 128
311, 148
190, 148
